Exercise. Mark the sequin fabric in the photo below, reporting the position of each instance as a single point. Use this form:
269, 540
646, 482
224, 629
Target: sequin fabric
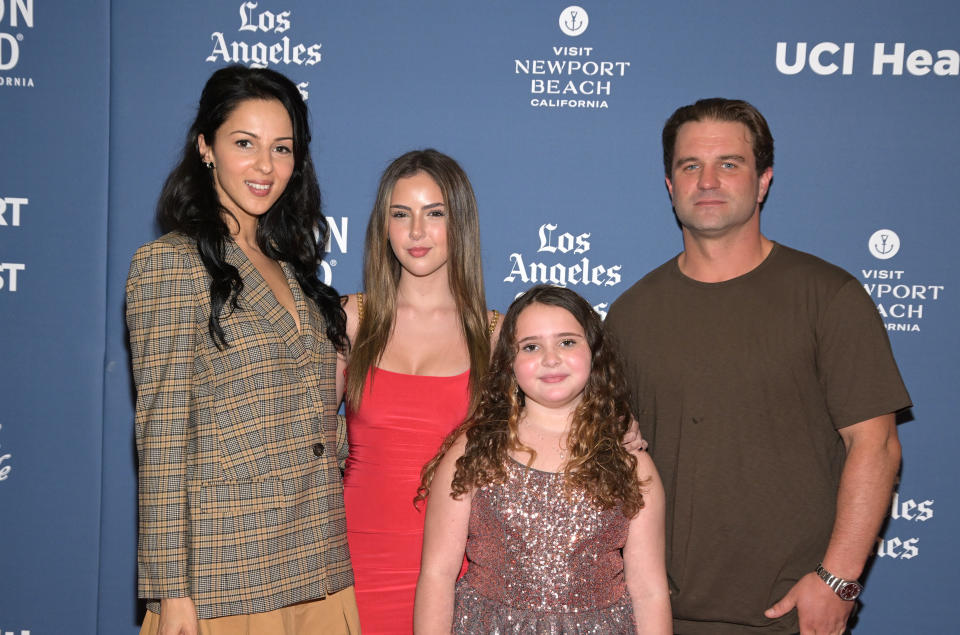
542, 562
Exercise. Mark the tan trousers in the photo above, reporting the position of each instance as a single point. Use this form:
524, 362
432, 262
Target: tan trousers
336, 614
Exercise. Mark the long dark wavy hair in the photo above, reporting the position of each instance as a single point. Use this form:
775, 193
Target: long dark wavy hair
381, 269
598, 463
293, 230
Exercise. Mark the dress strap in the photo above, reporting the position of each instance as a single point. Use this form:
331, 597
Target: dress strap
493, 322
359, 307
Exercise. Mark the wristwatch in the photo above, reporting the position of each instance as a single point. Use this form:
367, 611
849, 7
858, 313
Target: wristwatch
845, 589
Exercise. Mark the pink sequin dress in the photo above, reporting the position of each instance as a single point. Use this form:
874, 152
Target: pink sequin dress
542, 563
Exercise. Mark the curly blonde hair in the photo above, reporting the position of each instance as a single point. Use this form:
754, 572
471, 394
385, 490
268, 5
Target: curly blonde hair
598, 463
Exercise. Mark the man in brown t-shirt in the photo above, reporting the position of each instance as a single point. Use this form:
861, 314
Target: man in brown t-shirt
763, 380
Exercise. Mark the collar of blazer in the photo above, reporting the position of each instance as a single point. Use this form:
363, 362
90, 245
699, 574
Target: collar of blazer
257, 295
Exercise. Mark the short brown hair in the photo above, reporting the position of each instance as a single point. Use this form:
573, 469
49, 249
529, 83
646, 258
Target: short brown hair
720, 109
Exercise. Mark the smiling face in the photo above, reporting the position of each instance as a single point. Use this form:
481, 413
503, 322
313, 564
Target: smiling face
252, 154
417, 225
553, 358
714, 183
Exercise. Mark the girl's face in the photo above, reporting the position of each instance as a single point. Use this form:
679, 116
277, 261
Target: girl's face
553, 357
417, 225
252, 154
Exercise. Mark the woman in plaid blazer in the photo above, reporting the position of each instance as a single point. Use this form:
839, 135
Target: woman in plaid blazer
234, 342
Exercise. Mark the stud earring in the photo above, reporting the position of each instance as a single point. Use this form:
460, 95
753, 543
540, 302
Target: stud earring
208, 165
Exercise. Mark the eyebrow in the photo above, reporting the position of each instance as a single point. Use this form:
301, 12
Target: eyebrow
256, 136
430, 206
534, 337
726, 157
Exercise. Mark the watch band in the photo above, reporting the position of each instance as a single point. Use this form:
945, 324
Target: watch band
845, 589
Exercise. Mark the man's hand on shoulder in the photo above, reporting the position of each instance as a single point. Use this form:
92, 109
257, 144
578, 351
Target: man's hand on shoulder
819, 609
632, 440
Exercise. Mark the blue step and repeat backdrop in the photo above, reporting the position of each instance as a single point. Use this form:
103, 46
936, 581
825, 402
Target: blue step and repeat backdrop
555, 112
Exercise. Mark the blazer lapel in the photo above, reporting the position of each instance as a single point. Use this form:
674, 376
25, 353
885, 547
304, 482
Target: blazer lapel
309, 316
258, 296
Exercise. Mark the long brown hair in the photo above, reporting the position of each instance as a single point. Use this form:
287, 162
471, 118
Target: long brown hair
598, 464
293, 230
381, 270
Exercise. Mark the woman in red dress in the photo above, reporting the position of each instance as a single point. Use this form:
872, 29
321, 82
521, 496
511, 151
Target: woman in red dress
420, 337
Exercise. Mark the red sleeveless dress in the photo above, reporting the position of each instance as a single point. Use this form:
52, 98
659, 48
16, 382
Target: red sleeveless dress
399, 426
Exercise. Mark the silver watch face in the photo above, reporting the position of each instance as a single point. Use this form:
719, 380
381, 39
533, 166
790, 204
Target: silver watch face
849, 591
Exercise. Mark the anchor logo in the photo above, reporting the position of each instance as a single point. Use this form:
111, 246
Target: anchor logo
574, 21
884, 244
884, 247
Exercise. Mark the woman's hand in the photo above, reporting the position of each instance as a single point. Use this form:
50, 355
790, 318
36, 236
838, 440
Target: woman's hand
178, 616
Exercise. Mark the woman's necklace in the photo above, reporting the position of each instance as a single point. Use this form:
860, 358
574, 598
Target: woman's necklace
547, 438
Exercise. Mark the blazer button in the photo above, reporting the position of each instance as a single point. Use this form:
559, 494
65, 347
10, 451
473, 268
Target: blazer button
318, 449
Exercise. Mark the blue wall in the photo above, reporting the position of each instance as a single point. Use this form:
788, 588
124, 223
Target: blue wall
95, 99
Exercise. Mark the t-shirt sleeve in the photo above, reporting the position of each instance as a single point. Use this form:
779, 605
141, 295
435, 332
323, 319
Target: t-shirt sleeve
855, 362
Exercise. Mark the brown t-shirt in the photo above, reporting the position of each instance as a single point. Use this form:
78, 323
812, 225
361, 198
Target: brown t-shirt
740, 387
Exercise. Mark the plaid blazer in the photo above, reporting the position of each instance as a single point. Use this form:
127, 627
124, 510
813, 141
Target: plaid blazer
240, 497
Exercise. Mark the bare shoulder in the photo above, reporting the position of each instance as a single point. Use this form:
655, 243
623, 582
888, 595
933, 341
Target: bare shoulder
456, 450
646, 470
351, 306
447, 467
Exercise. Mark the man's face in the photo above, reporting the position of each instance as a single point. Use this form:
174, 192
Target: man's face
714, 183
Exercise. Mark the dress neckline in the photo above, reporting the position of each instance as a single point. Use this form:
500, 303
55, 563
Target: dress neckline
393, 372
533, 469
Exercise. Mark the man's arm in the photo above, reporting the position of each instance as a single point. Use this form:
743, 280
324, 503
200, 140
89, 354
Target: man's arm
863, 500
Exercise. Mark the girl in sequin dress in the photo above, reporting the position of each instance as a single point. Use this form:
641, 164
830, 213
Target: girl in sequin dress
563, 527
